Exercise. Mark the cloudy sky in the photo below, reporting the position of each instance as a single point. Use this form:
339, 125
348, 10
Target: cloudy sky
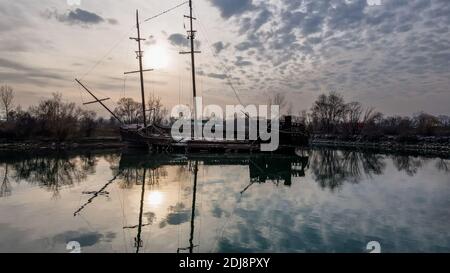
394, 56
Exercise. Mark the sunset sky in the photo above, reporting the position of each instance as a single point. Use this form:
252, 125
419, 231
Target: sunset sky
394, 56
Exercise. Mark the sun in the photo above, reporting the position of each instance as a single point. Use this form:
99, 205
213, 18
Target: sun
156, 57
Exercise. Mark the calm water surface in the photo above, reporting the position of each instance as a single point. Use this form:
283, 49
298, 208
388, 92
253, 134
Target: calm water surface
323, 201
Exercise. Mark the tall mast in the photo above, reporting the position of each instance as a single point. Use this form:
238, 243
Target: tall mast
191, 36
139, 54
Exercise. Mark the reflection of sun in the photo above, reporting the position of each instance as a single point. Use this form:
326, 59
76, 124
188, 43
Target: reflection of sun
156, 57
155, 198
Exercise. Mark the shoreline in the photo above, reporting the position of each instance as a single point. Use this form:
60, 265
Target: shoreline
421, 148
49, 145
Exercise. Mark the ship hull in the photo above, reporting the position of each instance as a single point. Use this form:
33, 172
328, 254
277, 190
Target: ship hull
159, 139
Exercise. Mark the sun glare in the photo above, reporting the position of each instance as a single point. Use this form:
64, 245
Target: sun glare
156, 57
155, 198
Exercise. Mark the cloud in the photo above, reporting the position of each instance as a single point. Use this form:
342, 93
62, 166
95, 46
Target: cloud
19, 73
219, 46
78, 17
229, 8
178, 39
12, 18
346, 15
216, 76
296, 45
82, 16
241, 62
112, 21
243, 46
151, 40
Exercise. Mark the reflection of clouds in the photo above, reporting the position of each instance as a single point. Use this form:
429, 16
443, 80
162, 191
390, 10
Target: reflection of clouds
402, 212
16, 240
217, 211
177, 215
403, 217
151, 217
85, 238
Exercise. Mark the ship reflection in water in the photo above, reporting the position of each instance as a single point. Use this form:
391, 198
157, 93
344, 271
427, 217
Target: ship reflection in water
318, 201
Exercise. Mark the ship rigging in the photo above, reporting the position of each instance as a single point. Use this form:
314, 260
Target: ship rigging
156, 137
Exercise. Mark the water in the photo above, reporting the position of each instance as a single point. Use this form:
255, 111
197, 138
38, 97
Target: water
325, 201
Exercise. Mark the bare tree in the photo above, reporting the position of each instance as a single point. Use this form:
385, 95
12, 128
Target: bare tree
353, 117
328, 111
6, 99
129, 110
57, 118
87, 122
371, 122
426, 123
157, 111
371, 116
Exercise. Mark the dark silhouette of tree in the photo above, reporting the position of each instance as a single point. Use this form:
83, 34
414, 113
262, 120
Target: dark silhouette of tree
87, 122
6, 99
56, 118
426, 124
129, 111
157, 111
328, 112
352, 118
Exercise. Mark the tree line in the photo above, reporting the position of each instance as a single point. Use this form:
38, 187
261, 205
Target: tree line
330, 116
55, 119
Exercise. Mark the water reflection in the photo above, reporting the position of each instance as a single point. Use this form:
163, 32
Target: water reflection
49, 171
246, 203
331, 168
5, 188
262, 169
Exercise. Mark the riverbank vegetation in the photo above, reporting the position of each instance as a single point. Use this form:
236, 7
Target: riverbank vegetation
54, 119
333, 118
330, 118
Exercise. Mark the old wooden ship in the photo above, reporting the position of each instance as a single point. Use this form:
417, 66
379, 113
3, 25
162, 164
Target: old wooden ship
158, 138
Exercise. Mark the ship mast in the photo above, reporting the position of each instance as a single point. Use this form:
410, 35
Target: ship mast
141, 71
191, 37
